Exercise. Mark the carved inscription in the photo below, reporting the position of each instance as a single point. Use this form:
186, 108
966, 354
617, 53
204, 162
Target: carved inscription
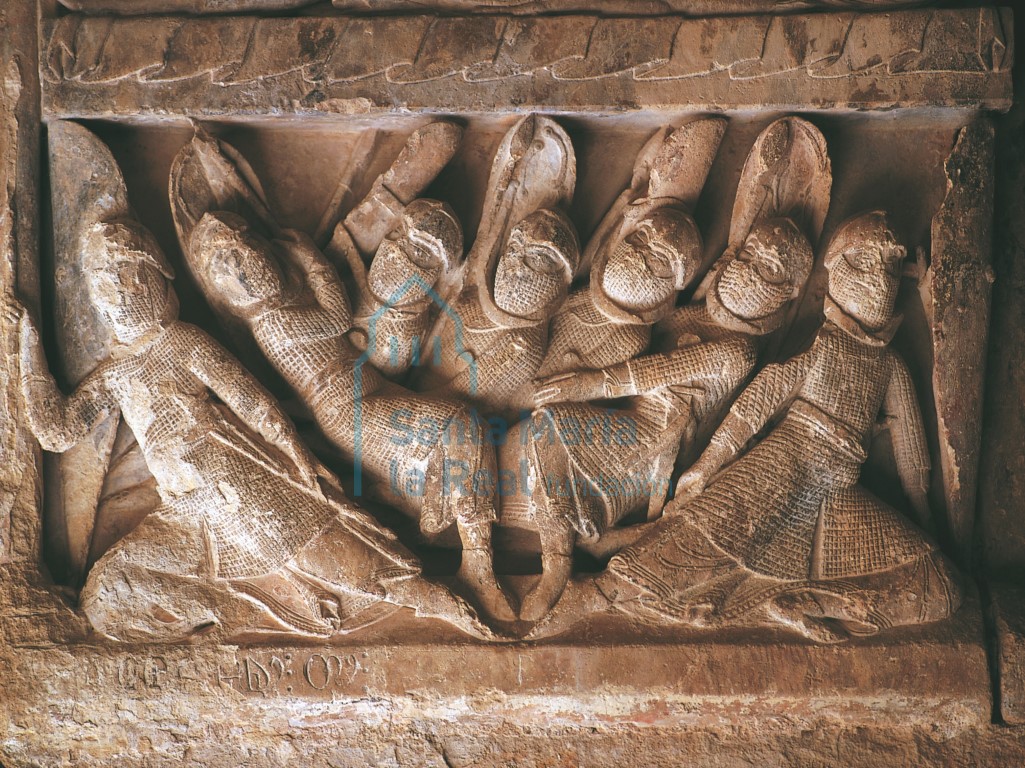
299, 672
137, 673
295, 673
141, 673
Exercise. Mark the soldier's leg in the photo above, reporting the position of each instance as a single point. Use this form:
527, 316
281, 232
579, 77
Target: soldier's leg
925, 590
877, 571
921, 591
477, 568
473, 505
580, 599
362, 566
557, 540
435, 601
553, 507
672, 575
157, 584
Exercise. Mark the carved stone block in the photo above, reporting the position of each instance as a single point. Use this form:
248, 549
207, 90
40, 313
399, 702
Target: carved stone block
487, 382
236, 66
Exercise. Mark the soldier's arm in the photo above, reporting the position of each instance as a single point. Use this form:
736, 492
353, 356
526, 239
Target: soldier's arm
320, 275
771, 389
484, 372
730, 359
245, 396
58, 422
284, 325
907, 433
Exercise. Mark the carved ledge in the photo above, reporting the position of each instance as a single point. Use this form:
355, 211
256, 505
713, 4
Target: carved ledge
1007, 602
241, 67
610, 7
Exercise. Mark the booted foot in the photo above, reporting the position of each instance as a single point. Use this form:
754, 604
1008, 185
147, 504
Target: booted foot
612, 541
579, 601
699, 614
477, 574
804, 613
434, 601
462, 616
287, 602
546, 593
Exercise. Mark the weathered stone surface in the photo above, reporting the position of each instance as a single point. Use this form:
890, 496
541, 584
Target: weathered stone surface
611, 7
615, 7
144, 7
81, 338
236, 67
20, 485
1002, 456
405, 703
956, 293
1008, 607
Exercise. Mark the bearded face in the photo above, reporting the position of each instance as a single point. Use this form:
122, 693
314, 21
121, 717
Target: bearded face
640, 275
402, 272
530, 279
864, 282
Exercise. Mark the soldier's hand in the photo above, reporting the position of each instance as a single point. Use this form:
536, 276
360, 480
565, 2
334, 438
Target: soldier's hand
308, 470
689, 486
580, 387
920, 507
328, 479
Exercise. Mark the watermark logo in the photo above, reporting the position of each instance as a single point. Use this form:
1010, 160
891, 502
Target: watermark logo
461, 440
416, 282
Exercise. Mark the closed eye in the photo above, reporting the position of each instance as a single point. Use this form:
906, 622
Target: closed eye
541, 261
771, 269
658, 263
859, 260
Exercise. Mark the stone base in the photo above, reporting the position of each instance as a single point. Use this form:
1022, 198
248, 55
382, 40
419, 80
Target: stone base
399, 697
1008, 605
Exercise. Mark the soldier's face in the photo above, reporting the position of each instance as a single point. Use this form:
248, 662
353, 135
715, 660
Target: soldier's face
131, 296
756, 282
244, 273
530, 280
639, 274
402, 271
864, 283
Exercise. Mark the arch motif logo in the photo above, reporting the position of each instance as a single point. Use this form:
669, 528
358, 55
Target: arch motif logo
415, 282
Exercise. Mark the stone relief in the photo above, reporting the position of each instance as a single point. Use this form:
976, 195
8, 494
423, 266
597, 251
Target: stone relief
251, 532
703, 354
653, 415
291, 300
497, 381
781, 532
492, 335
